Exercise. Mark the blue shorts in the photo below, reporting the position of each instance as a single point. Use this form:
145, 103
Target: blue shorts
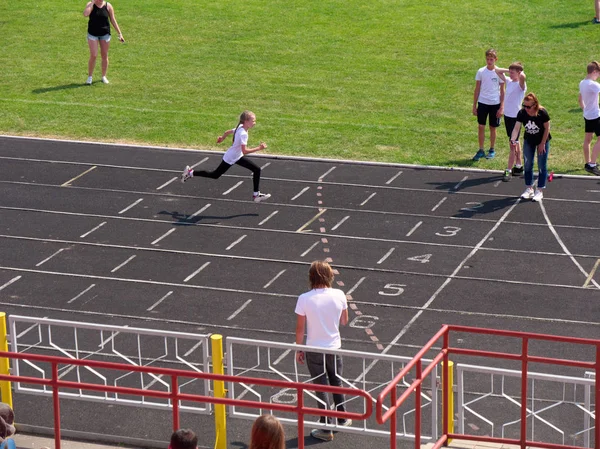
106, 38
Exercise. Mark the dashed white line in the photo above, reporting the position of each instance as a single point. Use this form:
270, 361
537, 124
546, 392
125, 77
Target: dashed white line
167, 183
163, 236
360, 281
370, 196
457, 186
415, 227
92, 230
439, 204
81, 294
497, 183
236, 313
300, 193
268, 284
282, 356
198, 212
206, 264
339, 223
68, 183
591, 275
50, 257
265, 166
228, 191
122, 265
386, 255
236, 242
326, 173
268, 218
394, 177
131, 205
153, 306
12, 281
198, 163
310, 248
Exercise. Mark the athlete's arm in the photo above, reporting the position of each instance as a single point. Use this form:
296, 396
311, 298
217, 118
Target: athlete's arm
344, 317
300, 325
522, 79
500, 112
88, 9
515, 133
224, 136
581, 103
245, 150
476, 96
111, 15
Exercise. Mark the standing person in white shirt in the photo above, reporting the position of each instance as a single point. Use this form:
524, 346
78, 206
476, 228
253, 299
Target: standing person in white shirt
488, 102
588, 100
236, 154
321, 311
515, 92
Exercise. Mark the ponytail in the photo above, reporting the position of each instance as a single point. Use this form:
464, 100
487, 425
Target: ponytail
246, 115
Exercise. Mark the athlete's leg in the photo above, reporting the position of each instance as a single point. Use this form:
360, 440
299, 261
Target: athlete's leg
216, 173
255, 169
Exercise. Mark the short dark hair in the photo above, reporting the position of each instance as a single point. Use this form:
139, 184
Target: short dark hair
593, 67
184, 439
516, 66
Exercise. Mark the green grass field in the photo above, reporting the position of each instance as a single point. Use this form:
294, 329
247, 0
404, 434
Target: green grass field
382, 80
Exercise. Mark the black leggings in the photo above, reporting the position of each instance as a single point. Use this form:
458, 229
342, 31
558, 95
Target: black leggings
224, 166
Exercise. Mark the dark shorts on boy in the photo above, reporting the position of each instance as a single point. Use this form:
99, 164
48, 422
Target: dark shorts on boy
488, 110
592, 126
510, 123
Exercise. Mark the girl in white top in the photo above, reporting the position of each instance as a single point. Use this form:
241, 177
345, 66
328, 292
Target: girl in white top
236, 154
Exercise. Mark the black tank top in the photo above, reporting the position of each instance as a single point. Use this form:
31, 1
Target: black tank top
98, 24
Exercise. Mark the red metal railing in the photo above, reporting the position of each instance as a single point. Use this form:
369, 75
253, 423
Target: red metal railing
299, 409
444, 354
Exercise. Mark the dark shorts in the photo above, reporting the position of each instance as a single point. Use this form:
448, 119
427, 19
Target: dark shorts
486, 110
593, 126
510, 123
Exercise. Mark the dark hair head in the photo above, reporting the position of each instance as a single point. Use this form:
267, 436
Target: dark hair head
491, 52
516, 66
183, 439
320, 274
593, 67
267, 433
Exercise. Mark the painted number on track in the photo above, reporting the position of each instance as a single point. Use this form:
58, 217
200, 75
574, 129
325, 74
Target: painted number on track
285, 397
449, 231
392, 290
364, 321
423, 259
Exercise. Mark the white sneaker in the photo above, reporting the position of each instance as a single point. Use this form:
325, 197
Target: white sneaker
105, 80
261, 197
538, 195
528, 193
88, 80
187, 174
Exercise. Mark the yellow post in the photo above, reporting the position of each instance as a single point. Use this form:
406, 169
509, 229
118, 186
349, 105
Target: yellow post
5, 389
219, 392
450, 396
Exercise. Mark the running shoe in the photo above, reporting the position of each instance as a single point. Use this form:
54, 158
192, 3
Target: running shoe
528, 193
480, 153
88, 81
105, 80
595, 21
506, 176
261, 197
517, 170
491, 154
187, 174
594, 170
344, 422
319, 434
538, 195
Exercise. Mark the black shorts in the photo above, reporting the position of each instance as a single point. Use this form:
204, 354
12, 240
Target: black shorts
488, 110
510, 123
593, 126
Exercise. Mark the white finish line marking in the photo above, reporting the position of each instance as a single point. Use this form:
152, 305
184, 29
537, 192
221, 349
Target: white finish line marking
457, 186
394, 177
236, 313
12, 281
206, 264
360, 281
95, 229
122, 265
388, 254
326, 173
340, 222
68, 183
81, 294
274, 279
131, 205
268, 218
48, 258
227, 192
163, 236
370, 196
198, 163
310, 248
414, 229
300, 193
439, 204
153, 306
236, 242
198, 212
166, 183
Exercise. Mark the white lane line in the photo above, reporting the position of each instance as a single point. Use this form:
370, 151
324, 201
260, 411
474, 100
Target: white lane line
268, 284
193, 348
13, 280
153, 306
457, 186
268, 218
68, 183
206, 264
236, 313
92, 230
593, 191
360, 281
48, 258
167, 183
388, 254
198, 163
282, 356
131, 205
198, 212
415, 227
227, 192
122, 265
339, 223
81, 294
300, 193
310, 248
497, 183
163, 236
394, 177
591, 275
265, 166
301, 228
439, 204
370, 196
326, 173
236, 242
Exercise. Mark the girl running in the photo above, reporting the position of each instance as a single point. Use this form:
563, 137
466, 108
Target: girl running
236, 154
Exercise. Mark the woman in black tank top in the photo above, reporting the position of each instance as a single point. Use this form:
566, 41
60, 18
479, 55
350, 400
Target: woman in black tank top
101, 14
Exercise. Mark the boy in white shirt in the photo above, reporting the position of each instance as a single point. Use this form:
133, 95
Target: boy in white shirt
588, 100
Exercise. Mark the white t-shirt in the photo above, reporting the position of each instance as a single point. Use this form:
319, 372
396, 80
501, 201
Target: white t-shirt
513, 98
234, 153
589, 90
489, 92
322, 308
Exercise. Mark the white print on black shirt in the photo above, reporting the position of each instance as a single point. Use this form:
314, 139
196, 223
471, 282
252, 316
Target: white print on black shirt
532, 128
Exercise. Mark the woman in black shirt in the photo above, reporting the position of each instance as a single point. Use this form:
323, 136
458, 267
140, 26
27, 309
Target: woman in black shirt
536, 121
100, 12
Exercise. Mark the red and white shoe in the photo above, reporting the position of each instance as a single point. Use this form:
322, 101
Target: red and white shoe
187, 174
261, 197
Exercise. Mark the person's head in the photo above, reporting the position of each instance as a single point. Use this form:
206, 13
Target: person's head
514, 70
183, 439
267, 433
531, 104
320, 274
247, 120
593, 69
491, 56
